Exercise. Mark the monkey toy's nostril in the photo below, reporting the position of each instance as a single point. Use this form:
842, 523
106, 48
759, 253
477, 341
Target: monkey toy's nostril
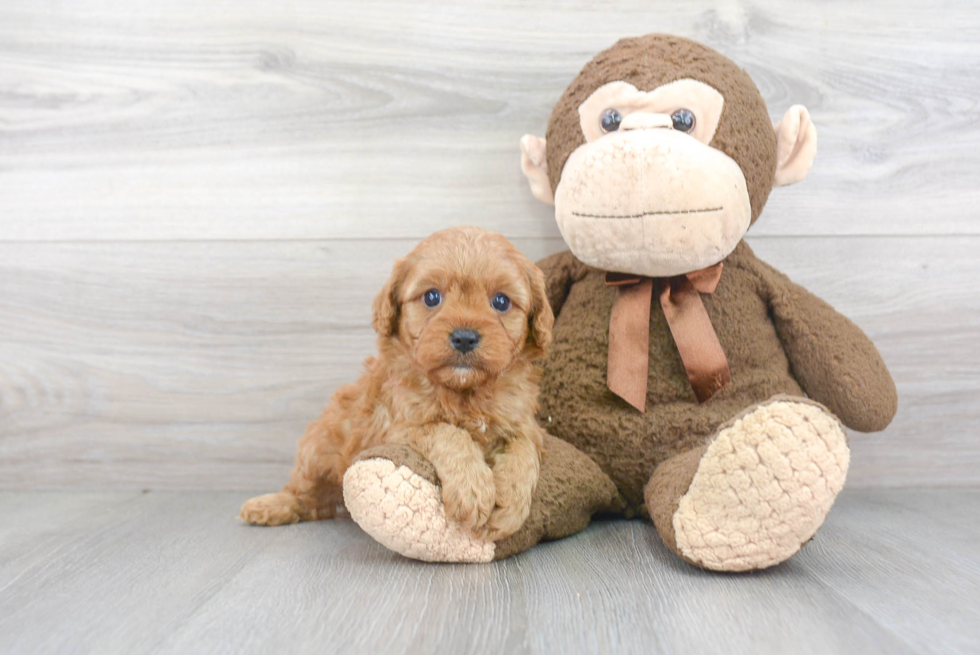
464, 339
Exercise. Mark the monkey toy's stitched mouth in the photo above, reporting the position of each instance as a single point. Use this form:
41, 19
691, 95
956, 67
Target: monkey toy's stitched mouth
676, 212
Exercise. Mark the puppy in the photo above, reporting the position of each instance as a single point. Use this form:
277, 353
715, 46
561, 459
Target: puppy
459, 324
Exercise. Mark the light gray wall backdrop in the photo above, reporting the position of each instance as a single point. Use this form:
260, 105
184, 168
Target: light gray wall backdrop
198, 201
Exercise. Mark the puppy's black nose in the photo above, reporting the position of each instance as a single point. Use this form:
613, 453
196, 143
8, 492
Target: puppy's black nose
464, 339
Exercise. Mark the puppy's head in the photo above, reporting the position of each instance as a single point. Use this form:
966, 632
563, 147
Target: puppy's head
466, 305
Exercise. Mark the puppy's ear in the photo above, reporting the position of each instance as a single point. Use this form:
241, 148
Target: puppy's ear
385, 306
540, 319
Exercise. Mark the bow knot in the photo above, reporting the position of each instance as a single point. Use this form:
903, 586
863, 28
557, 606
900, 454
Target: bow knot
629, 333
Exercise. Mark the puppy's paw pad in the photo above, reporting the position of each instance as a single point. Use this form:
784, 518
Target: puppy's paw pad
762, 488
404, 512
271, 509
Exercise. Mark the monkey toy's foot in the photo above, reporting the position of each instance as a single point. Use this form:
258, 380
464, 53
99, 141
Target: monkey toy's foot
392, 492
757, 492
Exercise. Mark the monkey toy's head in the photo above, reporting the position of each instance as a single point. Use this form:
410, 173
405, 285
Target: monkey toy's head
659, 156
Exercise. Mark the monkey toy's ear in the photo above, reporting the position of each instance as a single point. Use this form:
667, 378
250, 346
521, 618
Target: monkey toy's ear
796, 146
534, 163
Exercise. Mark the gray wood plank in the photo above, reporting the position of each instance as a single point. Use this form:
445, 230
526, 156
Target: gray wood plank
892, 571
908, 559
34, 525
193, 121
122, 586
613, 589
197, 365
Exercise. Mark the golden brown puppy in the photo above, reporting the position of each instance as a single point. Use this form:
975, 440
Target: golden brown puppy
458, 323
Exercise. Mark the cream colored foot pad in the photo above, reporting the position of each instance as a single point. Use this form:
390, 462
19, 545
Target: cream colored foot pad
404, 511
762, 488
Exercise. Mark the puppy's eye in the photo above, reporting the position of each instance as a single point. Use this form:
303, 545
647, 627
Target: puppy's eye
432, 298
500, 302
683, 120
610, 120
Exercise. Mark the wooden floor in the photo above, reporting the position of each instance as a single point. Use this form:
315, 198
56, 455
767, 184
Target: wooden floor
892, 571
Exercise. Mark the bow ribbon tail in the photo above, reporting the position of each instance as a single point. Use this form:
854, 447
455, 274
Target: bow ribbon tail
627, 369
695, 337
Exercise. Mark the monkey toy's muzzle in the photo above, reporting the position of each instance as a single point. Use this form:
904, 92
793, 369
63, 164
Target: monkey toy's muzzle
654, 202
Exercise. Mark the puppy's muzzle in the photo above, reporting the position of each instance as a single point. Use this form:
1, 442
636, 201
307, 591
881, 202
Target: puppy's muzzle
464, 339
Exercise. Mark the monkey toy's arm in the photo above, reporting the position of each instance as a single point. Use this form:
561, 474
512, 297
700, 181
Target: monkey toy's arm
832, 359
560, 270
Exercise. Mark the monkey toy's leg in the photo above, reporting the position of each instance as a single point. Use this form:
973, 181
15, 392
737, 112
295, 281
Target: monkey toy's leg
756, 492
392, 492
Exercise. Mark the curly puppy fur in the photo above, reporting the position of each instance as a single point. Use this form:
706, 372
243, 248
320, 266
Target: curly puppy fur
471, 414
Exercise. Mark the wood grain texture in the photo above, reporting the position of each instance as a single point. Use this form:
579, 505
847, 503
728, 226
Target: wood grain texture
197, 365
892, 572
311, 119
198, 201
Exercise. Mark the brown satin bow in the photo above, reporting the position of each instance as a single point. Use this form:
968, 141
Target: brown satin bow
629, 333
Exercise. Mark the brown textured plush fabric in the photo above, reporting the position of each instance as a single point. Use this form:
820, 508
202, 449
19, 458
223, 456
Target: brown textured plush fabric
402, 456
663, 493
779, 339
833, 360
571, 488
744, 133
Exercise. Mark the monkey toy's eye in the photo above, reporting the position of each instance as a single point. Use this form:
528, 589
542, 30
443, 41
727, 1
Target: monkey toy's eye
432, 298
610, 120
500, 302
683, 120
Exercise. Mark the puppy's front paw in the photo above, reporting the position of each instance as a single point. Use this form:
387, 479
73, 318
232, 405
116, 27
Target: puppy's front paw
271, 509
469, 497
504, 521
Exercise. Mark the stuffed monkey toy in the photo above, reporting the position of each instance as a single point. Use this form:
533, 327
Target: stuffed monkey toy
688, 381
